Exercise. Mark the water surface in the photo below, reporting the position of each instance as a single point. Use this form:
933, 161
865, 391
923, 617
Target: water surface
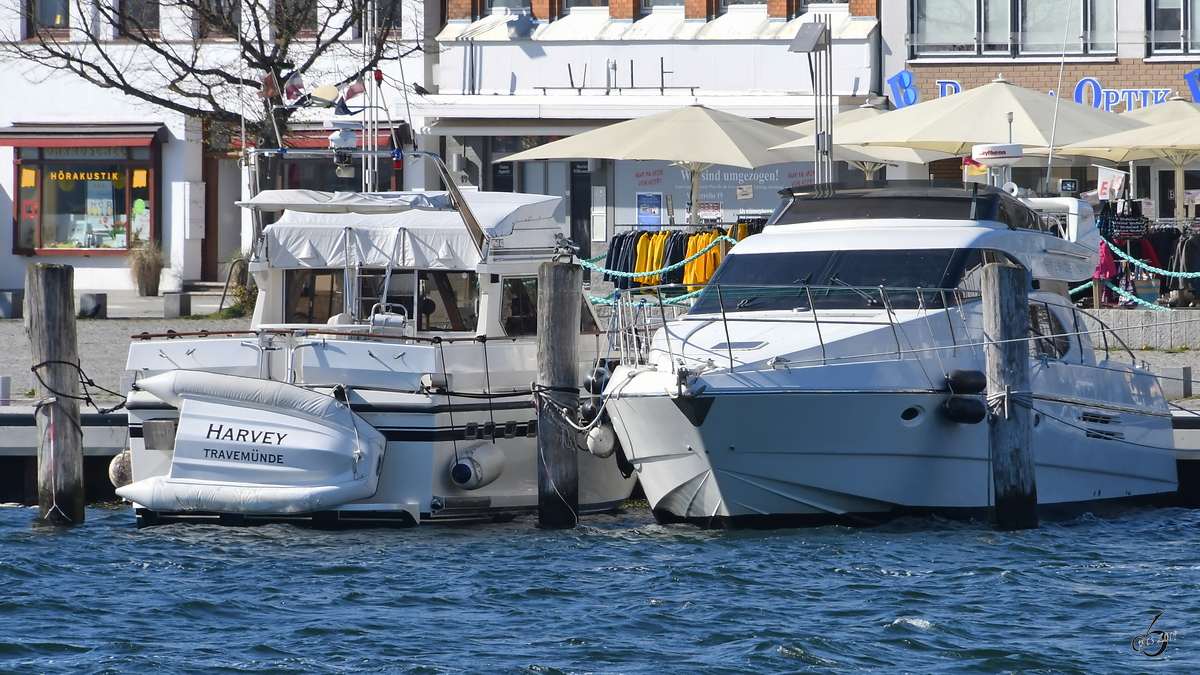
621, 594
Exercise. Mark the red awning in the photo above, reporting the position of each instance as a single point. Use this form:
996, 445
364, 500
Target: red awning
24, 135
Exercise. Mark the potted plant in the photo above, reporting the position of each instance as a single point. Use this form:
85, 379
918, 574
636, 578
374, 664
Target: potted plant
145, 266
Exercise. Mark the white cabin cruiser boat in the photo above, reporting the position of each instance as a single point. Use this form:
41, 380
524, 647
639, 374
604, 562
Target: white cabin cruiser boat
386, 378
832, 370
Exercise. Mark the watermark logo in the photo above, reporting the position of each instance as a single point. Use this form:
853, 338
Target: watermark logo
1153, 642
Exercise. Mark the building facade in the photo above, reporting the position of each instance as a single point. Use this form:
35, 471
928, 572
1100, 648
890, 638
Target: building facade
512, 74
89, 173
1114, 55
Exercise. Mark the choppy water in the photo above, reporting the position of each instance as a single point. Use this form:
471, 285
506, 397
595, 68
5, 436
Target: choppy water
620, 594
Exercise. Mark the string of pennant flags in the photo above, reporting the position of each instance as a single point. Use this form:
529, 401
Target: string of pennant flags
293, 92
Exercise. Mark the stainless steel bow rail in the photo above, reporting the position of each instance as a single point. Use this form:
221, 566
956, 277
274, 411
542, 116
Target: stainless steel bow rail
940, 328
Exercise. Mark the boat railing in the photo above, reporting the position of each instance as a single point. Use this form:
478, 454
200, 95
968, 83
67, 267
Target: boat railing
292, 340
637, 316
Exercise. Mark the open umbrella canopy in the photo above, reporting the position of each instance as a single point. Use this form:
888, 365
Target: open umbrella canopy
693, 137
1172, 141
1175, 109
1177, 142
693, 134
866, 158
955, 123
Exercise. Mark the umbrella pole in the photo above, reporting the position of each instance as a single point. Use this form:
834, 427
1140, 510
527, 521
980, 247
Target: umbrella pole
694, 216
1180, 208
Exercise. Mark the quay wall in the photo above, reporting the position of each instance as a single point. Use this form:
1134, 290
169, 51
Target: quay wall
1148, 328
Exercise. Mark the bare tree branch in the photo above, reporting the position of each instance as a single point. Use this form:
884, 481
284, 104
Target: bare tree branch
208, 59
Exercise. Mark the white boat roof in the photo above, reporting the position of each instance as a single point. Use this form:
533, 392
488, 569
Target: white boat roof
1047, 256
404, 229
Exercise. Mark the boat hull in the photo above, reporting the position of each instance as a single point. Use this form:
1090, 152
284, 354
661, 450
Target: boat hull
762, 457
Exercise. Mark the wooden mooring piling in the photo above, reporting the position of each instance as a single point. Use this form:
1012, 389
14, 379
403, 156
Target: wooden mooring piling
558, 308
50, 301
1005, 290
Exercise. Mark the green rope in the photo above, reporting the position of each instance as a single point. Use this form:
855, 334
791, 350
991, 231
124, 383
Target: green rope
1117, 249
589, 263
607, 300
1075, 290
1130, 296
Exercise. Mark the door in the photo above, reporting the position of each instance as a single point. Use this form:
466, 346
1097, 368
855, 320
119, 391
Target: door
580, 218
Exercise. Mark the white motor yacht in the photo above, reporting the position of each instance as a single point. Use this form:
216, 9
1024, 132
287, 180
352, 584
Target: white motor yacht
832, 370
385, 379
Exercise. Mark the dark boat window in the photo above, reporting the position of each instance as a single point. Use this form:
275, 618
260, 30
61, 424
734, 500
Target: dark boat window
898, 199
834, 279
1049, 336
312, 296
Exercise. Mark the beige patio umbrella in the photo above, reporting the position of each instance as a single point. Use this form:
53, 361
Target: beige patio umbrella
694, 138
868, 159
1177, 108
1177, 142
955, 123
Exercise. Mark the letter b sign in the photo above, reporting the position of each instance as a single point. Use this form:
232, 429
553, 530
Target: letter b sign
904, 91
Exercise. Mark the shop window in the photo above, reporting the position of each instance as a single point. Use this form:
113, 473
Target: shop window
139, 17
587, 3
50, 17
1004, 28
651, 4
321, 174
91, 198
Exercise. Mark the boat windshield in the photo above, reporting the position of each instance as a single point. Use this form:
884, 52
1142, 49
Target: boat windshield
834, 279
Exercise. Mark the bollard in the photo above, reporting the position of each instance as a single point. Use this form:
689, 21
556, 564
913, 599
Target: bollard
558, 308
51, 323
93, 305
1005, 292
176, 305
5, 389
1176, 382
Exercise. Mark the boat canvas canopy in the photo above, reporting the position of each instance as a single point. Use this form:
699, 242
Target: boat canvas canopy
416, 230
415, 239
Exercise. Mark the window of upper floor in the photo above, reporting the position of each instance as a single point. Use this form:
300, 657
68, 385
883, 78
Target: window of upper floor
651, 4
1008, 28
137, 18
218, 18
50, 18
297, 18
1174, 26
510, 4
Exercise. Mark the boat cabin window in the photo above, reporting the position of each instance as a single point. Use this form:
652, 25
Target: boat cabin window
518, 306
1049, 337
449, 300
312, 296
832, 280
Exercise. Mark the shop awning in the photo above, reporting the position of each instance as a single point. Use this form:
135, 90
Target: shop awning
33, 135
